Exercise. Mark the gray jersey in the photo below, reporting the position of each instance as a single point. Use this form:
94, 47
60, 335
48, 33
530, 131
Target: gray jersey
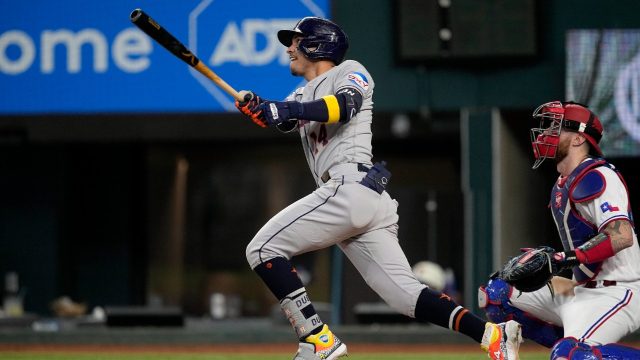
326, 145
341, 209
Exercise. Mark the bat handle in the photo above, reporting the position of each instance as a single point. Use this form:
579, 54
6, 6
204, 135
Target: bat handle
204, 69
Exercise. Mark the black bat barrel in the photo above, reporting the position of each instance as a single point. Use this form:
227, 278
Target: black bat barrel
150, 27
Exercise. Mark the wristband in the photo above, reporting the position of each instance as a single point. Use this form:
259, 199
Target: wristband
597, 249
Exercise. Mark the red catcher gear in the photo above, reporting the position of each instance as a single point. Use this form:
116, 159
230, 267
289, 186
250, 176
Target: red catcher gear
555, 116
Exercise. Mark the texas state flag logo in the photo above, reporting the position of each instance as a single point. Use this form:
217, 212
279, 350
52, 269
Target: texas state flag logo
607, 207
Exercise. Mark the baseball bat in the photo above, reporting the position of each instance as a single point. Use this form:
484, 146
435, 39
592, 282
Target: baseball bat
163, 37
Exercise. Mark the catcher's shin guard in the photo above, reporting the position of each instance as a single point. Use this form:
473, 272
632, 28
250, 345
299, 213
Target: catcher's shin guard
617, 351
571, 349
494, 300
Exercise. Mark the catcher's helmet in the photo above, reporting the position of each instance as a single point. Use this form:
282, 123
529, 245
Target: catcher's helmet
322, 39
555, 116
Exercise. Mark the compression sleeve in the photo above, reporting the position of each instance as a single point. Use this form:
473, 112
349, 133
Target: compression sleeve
330, 109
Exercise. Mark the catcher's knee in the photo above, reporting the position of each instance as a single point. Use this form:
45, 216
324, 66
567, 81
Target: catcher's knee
494, 300
571, 349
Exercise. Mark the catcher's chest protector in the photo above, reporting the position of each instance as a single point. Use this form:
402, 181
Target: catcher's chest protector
565, 216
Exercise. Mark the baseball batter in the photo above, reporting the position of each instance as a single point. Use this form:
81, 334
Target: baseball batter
350, 207
590, 206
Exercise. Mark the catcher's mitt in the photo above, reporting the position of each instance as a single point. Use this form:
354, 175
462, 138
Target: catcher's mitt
530, 270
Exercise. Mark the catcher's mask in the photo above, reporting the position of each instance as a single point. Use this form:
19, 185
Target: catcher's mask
554, 117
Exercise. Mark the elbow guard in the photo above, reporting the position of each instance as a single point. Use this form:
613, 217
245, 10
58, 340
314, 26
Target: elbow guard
350, 102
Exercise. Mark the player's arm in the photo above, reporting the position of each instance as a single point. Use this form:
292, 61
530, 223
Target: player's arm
616, 236
621, 234
337, 108
601, 197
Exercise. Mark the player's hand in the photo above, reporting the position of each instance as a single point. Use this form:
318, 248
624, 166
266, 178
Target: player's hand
251, 107
277, 112
530, 270
565, 259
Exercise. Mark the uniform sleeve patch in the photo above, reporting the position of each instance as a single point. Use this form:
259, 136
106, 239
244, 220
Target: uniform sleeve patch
359, 79
608, 207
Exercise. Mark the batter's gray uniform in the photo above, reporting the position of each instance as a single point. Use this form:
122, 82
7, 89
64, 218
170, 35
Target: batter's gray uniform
342, 211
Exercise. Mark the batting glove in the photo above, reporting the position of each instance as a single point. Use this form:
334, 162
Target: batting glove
251, 108
277, 112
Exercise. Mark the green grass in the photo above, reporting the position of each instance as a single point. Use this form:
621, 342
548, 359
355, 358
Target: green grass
28, 355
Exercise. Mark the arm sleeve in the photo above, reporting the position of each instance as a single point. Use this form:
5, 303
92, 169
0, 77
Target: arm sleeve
340, 107
353, 84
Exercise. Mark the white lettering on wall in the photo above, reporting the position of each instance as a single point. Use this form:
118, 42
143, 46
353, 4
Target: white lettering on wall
240, 43
73, 43
27, 52
130, 51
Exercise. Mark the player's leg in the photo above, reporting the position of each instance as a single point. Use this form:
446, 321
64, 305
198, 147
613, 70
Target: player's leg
380, 260
618, 351
540, 311
598, 316
314, 222
602, 315
570, 348
494, 299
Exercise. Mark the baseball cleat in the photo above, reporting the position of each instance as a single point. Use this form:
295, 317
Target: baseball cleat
502, 341
321, 346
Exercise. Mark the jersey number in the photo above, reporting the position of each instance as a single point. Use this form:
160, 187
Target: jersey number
319, 139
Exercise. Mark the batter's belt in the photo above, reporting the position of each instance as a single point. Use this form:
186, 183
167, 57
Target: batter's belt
376, 178
343, 169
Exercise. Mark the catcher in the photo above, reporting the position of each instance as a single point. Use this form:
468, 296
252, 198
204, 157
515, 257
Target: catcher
582, 317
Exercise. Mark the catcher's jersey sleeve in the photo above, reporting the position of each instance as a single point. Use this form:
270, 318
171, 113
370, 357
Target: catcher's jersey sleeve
613, 204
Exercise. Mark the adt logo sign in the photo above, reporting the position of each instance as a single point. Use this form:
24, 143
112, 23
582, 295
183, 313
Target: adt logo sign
238, 41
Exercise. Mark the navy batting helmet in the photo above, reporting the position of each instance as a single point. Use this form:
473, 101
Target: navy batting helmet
322, 39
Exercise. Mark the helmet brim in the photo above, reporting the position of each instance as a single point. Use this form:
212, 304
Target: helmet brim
593, 143
286, 36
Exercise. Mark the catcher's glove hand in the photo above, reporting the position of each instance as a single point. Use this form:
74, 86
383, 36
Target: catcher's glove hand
531, 270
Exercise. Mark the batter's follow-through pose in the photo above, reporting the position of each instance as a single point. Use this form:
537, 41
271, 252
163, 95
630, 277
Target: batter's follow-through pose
585, 316
350, 207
